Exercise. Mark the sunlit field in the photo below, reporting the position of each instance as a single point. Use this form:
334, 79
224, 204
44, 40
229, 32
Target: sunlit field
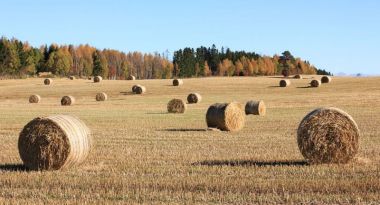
142, 154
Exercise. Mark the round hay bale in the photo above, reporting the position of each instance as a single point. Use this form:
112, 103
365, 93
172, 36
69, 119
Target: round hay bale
140, 89
134, 88
67, 100
89, 78
177, 82
328, 135
226, 116
194, 98
54, 142
177, 106
298, 76
131, 77
101, 97
326, 79
255, 108
284, 83
34, 99
48, 81
315, 83
72, 77
97, 79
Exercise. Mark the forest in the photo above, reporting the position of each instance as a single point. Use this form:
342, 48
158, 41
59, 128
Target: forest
19, 60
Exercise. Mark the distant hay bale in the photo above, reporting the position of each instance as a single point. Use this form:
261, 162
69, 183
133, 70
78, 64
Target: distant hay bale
48, 81
298, 76
328, 135
226, 116
140, 89
72, 77
134, 88
176, 106
194, 98
67, 100
315, 83
326, 79
177, 82
34, 99
97, 79
101, 97
54, 142
284, 83
255, 108
131, 77
89, 78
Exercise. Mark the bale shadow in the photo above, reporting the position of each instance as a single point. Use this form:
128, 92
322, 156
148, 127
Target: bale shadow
13, 168
157, 113
274, 86
279, 77
184, 130
127, 93
254, 163
305, 87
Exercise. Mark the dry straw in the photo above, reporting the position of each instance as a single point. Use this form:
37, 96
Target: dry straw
298, 76
255, 108
176, 106
139, 89
177, 82
194, 98
54, 142
34, 99
97, 79
48, 81
72, 77
328, 135
326, 79
226, 116
67, 100
101, 97
315, 83
284, 83
131, 77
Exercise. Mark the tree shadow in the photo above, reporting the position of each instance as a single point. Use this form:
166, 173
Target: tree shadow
184, 130
13, 168
255, 163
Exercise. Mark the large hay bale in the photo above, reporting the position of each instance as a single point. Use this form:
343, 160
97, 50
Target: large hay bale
54, 142
226, 116
97, 79
140, 89
134, 88
72, 77
326, 79
101, 97
34, 99
48, 81
328, 135
284, 83
176, 106
131, 77
67, 100
255, 108
177, 82
194, 98
315, 83
298, 76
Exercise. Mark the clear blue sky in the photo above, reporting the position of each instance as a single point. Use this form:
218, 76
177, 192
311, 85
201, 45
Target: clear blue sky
337, 35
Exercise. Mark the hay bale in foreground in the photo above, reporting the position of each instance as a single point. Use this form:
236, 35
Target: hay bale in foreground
131, 77
226, 116
34, 99
54, 142
97, 79
315, 83
255, 108
72, 77
177, 82
328, 135
48, 81
101, 97
298, 76
326, 79
284, 83
176, 106
194, 98
67, 100
140, 89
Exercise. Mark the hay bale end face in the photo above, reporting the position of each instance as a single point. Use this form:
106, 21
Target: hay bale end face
298, 76
48, 81
255, 108
328, 135
131, 77
139, 89
34, 99
226, 116
284, 83
315, 83
194, 98
101, 97
89, 78
326, 79
67, 100
54, 142
176, 106
97, 79
134, 88
177, 82
72, 77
